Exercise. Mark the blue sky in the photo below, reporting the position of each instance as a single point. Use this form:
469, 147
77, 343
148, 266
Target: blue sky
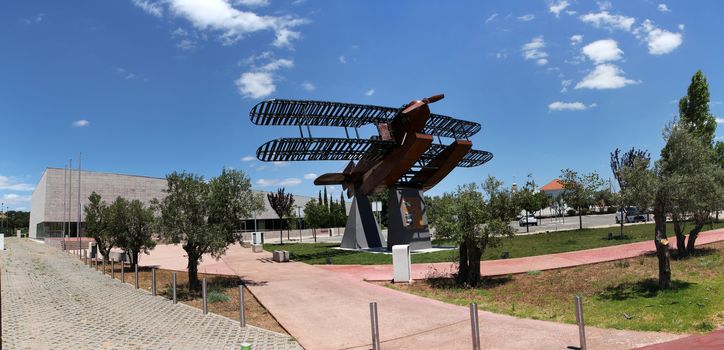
147, 87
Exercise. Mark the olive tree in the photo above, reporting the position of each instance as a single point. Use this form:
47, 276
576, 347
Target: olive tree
98, 224
282, 204
475, 221
579, 190
204, 216
133, 224
620, 161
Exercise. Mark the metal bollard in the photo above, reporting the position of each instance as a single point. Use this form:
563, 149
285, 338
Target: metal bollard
203, 295
135, 279
173, 282
113, 269
475, 326
123, 272
153, 281
375, 326
242, 316
579, 319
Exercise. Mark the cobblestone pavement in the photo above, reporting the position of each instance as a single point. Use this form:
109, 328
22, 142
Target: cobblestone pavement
51, 301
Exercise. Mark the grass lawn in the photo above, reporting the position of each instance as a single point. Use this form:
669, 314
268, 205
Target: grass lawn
518, 246
622, 294
223, 294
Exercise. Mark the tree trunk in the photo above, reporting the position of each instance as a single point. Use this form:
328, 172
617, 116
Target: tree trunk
134, 258
474, 254
680, 238
463, 267
281, 236
193, 268
662, 246
693, 234
527, 226
580, 219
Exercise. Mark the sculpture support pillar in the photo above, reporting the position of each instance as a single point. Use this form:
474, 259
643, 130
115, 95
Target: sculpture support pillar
407, 219
362, 230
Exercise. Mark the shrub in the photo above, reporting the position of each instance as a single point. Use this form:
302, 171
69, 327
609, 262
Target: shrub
534, 272
216, 296
571, 212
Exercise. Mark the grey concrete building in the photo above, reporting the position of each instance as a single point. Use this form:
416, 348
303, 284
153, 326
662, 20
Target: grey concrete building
50, 208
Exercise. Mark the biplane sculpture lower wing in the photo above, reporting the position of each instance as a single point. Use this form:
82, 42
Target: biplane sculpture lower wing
296, 149
350, 115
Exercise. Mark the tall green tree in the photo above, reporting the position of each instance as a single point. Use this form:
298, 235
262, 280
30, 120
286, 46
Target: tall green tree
326, 201
579, 190
697, 180
282, 204
694, 110
133, 225
98, 225
204, 216
315, 216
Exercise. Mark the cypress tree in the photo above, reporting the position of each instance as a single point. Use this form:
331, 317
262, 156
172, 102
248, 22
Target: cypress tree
694, 109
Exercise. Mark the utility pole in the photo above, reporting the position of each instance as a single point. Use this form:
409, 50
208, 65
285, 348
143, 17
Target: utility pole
65, 188
70, 191
79, 206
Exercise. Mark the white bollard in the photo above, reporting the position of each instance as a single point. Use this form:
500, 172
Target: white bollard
401, 263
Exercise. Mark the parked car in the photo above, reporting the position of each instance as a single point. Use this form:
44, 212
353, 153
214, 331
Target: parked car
528, 220
632, 214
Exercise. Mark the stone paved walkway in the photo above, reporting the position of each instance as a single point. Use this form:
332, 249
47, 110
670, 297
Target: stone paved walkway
50, 300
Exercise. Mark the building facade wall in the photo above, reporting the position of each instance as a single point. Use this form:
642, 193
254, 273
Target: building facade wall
47, 209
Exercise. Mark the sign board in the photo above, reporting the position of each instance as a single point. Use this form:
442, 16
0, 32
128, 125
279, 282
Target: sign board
402, 270
376, 206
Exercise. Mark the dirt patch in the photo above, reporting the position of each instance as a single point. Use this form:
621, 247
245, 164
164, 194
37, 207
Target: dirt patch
225, 287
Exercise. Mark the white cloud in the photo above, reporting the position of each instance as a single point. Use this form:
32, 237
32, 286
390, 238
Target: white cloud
569, 106
186, 44
37, 19
307, 86
491, 18
12, 184
370, 92
247, 158
660, 41
534, 51
12, 198
259, 82
252, 3
126, 74
255, 84
608, 21
720, 120
501, 55
81, 123
605, 76
663, 8
153, 8
604, 5
310, 176
280, 163
565, 84
576, 39
222, 17
342, 59
556, 7
292, 181
681, 27
602, 51
526, 18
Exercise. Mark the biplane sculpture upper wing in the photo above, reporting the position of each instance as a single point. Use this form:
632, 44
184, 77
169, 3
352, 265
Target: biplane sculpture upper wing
323, 113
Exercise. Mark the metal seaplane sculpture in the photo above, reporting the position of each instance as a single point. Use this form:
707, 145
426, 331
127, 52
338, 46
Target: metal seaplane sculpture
402, 158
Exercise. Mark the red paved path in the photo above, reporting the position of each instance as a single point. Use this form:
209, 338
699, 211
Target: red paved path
328, 310
521, 265
711, 341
